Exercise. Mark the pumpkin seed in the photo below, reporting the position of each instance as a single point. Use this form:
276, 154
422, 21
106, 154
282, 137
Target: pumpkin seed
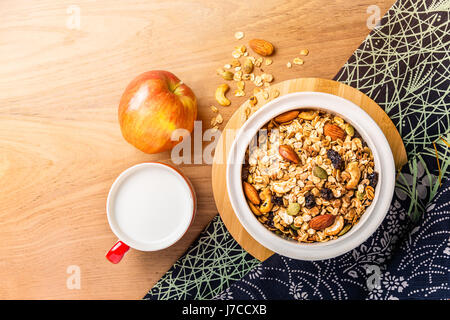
293, 209
360, 195
350, 130
344, 229
225, 74
294, 227
320, 173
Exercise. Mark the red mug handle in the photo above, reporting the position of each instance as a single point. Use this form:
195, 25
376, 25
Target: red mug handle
116, 253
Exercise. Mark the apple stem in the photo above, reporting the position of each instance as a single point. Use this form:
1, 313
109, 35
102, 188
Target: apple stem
174, 89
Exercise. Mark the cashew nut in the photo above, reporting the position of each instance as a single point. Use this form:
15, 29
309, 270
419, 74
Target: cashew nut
355, 175
336, 227
220, 94
307, 115
266, 197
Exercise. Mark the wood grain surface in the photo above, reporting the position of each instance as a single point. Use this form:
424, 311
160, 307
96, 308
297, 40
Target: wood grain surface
60, 143
239, 117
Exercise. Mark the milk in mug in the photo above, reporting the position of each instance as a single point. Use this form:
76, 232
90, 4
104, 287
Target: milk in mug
151, 206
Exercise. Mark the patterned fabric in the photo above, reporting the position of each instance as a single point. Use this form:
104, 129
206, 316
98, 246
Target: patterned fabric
404, 66
212, 263
378, 269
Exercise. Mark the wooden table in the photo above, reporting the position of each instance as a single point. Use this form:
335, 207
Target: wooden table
60, 143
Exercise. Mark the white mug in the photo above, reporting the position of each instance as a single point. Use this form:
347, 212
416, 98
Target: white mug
150, 206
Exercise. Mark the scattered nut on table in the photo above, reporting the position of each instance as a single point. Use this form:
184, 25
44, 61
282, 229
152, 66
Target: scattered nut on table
220, 95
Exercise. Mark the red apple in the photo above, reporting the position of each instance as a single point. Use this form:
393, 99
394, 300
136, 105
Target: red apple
153, 105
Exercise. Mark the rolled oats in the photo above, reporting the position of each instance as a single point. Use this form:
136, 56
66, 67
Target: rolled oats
304, 52
298, 61
239, 35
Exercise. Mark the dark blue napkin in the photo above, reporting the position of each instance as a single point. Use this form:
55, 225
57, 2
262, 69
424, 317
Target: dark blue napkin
398, 262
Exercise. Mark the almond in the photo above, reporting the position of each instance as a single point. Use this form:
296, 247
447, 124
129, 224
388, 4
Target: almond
254, 209
288, 153
251, 193
287, 116
261, 47
333, 131
322, 222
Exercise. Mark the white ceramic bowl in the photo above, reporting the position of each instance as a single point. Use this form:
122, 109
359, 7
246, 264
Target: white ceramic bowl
372, 135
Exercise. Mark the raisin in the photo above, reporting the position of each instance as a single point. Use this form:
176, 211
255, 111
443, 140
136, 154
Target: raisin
310, 200
278, 201
373, 179
245, 173
326, 193
335, 158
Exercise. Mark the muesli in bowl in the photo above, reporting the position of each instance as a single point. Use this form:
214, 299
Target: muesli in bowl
309, 176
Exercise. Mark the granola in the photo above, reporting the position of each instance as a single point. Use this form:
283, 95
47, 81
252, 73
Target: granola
313, 173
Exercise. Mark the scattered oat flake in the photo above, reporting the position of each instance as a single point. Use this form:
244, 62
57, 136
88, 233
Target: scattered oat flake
214, 109
268, 62
235, 63
298, 61
242, 49
266, 95
238, 76
216, 120
241, 85
236, 54
304, 52
227, 66
258, 81
239, 35
239, 93
289, 65
267, 77
257, 90
275, 93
